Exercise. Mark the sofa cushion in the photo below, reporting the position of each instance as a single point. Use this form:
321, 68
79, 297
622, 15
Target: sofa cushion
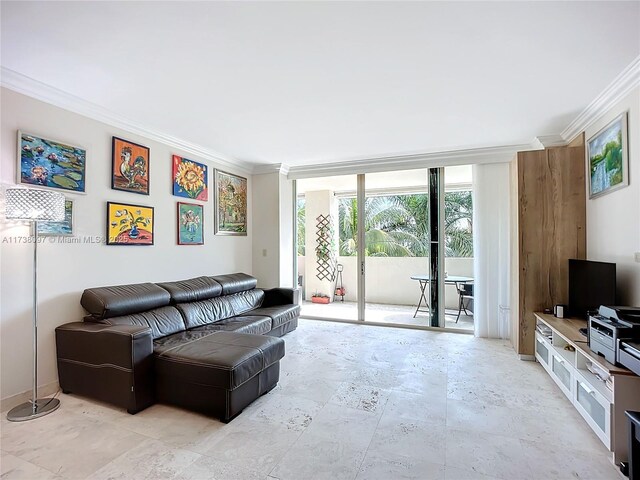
242, 324
244, 302
162, 321
221, 359
280, 314
212, 310
108, 302
163, 344
235, 282
192, 290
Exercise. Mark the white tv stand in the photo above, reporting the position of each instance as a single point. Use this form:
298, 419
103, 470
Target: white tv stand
601, 405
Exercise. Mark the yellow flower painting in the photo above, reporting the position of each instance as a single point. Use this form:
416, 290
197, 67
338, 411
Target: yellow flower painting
190, 179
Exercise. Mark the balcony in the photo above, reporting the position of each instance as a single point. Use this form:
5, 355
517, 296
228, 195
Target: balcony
391, 295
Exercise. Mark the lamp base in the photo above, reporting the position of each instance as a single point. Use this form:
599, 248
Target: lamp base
25, 411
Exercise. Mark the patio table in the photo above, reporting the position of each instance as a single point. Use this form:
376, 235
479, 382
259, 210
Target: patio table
426, 279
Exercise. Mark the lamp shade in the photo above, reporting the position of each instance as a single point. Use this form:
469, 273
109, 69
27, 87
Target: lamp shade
35, 205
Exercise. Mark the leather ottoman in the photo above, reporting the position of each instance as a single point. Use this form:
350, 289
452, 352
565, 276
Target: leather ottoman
218, 373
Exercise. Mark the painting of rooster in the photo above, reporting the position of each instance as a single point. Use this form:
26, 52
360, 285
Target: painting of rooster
130, 167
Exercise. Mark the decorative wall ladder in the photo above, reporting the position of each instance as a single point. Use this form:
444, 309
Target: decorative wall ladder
325, 261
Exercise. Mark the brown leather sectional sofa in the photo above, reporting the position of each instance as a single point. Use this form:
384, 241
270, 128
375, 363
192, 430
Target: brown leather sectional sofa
208, 343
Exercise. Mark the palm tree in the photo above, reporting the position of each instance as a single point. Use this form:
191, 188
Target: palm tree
386, 227
458, 220
398, 225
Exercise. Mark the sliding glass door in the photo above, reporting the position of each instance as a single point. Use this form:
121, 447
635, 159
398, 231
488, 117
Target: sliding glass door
377, 247
397, 248
326, 237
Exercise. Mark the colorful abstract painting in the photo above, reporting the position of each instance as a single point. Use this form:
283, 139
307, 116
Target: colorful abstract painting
129, 224
190, 179
129, 166
607, 151
56, 229
230, 204
51, 164
190, 224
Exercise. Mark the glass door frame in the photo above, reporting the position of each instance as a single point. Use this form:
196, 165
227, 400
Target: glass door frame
436, 190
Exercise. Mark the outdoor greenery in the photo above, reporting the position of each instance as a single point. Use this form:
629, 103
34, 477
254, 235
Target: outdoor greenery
398, 225
610, 160
300, 226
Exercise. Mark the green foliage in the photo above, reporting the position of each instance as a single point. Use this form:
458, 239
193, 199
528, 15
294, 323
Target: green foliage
612, 156
300, 234
398, 225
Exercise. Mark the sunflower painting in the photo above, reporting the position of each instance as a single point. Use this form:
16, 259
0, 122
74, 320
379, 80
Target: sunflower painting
190, 179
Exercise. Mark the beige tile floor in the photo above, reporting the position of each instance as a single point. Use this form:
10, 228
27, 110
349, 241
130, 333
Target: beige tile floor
353, 402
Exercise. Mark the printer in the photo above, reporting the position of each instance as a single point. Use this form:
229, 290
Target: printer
609, 327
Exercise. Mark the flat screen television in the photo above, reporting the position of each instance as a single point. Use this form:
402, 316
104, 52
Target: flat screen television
591, 284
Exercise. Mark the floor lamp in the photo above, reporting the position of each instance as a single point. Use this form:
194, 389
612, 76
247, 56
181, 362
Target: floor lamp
34, 206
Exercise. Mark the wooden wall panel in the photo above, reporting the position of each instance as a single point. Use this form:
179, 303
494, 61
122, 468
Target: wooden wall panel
551, 229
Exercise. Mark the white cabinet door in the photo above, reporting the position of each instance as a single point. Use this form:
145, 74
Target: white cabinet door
562, 373
594, 408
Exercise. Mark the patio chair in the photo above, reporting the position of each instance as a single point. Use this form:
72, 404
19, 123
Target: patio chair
465, 294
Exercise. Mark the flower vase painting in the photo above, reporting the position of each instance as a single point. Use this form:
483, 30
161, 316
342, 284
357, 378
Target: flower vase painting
190, 179
51, 164
190, 224
129, 224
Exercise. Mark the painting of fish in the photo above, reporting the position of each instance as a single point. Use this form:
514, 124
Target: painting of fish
51, 164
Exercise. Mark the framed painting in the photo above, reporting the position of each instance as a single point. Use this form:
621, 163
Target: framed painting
230, 204
608, 158
190, 224
129, 166
129, 224
190, 179
51, 164
57, 229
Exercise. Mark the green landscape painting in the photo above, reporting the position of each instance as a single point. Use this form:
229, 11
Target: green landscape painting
608, 158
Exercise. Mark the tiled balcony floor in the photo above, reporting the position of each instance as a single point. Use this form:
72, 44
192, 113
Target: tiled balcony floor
381, 313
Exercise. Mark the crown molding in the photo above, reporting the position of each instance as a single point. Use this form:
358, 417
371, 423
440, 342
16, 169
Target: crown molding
626, 81
40, 91
547, 141
501, 154
281, 168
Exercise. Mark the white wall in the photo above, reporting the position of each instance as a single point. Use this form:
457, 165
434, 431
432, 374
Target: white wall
613, 220
273, 227
286, 231
266, 218
388, 279
319, 202
65, 270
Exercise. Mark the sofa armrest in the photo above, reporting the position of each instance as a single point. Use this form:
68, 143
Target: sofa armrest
281, 296
113, 363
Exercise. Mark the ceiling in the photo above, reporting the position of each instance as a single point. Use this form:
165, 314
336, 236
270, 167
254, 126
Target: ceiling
306, 83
